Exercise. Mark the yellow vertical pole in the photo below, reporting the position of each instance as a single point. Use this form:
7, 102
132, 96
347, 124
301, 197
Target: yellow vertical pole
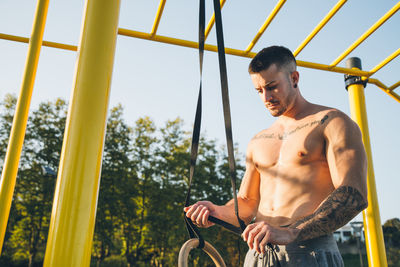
17, 134
75, 200
372, 223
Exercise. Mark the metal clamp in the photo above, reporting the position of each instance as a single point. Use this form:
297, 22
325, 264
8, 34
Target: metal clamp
351, 79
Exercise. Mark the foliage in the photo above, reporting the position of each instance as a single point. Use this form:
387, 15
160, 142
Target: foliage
144, 180
391, 233
34, 190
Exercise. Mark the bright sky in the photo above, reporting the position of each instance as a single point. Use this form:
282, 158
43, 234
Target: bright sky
161, 80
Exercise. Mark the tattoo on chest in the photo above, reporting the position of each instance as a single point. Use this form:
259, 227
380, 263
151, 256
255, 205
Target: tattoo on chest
284, 135
340, 207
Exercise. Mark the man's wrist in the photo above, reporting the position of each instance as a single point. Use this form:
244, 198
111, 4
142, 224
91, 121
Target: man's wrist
294, 232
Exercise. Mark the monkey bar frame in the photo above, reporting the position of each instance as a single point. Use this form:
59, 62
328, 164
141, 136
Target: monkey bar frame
65, 206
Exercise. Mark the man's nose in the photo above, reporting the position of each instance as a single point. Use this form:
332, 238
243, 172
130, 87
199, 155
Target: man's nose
267, 96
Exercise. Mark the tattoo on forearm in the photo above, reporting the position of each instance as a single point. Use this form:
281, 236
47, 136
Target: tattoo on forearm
340, 207
283, 136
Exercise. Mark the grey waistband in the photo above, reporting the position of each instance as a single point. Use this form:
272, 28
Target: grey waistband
326, 242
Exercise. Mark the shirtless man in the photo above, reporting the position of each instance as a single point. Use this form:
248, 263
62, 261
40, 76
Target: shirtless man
305, 175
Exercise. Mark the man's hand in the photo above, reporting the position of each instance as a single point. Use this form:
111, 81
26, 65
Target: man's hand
258, 234
199, 213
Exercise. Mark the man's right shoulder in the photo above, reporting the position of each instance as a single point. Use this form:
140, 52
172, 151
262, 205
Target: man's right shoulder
266, 133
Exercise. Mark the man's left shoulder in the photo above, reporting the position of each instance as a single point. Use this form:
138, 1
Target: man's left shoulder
338, 125
329, 114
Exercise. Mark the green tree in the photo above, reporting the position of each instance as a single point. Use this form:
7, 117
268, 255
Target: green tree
7, 108
165, 206
6, 118
134, 217
36, 179
116, 182
391, 233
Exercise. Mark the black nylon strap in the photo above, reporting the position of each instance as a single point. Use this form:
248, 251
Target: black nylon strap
226, 107
227, 115
191, 228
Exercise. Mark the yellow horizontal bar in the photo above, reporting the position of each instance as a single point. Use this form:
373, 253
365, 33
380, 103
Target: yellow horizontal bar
377, 83
212, 21
208, 47
181, 42
323, 22
319, 66
394, 96
45, 43
235, 52
386, 61
394, 86
14, 38
158, 17
385, 89
265, 25
367, 33
191, 44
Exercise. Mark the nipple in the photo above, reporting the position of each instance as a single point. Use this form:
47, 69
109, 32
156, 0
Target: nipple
301, 154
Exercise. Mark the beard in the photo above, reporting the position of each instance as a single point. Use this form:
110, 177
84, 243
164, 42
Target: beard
278, 109
277, 112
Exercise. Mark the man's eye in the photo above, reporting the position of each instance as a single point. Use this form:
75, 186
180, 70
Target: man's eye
270, 88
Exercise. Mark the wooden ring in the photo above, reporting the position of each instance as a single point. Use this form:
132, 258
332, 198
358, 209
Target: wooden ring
208, 248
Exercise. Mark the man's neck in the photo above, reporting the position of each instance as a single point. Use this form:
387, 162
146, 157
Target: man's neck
297, 111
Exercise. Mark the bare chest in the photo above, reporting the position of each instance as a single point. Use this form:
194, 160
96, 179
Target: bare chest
297, 146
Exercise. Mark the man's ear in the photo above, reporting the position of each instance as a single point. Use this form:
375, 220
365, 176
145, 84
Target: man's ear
295, 78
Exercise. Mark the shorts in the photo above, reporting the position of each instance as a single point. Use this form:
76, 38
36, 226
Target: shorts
321, 251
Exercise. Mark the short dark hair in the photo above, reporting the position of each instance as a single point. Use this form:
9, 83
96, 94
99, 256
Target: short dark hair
278, 55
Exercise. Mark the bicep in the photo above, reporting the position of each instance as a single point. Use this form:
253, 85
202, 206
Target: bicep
250, 186
346, 154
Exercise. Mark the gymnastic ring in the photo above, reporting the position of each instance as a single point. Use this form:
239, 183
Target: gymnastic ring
208, 248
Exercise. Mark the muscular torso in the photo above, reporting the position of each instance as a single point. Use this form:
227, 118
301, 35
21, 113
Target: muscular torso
294, 175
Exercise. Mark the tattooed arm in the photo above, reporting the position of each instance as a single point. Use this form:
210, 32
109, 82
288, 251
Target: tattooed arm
339, 208
348, 167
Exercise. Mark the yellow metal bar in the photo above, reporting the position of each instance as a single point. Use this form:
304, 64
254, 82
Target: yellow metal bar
208, 47
372, 222
323, 22
74, 208
265, 25
14, 38
17, 135
318, 66
180, 42
393, 95
386, 61
394, 86
44, 43
385, 89
234, 52
212, 21
371, 30
377, 83
158, 17
61, 46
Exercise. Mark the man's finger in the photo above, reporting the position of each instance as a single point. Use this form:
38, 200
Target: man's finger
263, 243
195, 213
190, 210
199, 219
206, 222
205, 217
246, 231
257, 240
252, 234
